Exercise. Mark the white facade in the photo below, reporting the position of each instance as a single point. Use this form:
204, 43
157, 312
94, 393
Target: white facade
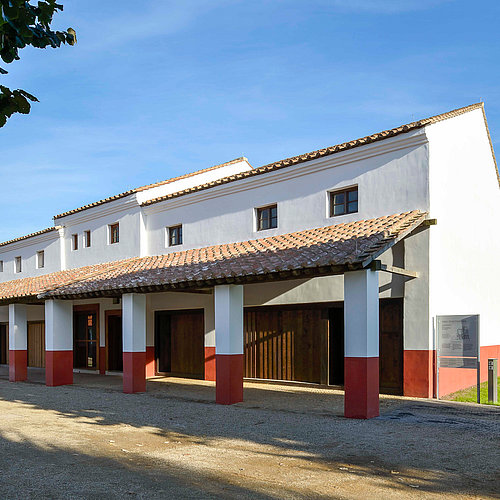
446, 169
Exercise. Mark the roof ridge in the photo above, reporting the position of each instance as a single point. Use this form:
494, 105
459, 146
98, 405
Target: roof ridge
31, 235
320, 153
148, 186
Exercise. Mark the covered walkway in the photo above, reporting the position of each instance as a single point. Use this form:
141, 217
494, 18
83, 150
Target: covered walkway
349, 249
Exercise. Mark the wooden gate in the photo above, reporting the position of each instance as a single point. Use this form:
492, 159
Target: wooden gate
179, 343
36, 344
306, 344
287, 343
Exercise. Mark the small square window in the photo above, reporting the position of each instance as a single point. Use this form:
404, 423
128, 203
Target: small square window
74, 241
87, 239
267, 217
18, 264
1, 266
175, 235
40, 259
114, 233
344, 202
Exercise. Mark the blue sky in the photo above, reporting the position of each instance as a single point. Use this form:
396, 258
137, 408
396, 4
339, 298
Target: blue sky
155, 89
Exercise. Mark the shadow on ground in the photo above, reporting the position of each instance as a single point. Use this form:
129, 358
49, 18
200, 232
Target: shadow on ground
415, 447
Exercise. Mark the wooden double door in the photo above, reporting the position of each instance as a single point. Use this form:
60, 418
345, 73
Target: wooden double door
305, 343
179, 343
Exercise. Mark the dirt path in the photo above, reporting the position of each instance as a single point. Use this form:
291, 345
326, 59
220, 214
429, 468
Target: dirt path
173, 442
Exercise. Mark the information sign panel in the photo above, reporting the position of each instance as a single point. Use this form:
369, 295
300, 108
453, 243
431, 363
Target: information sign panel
457, 344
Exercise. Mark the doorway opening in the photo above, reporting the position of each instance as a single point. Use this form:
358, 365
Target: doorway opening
179, 343
4, 344
114, 341
86, 336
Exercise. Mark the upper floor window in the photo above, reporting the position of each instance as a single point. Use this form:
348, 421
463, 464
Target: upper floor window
344, 201
18, 264
1, 266
74, 241
86, 239
40, 259
175, 235
267, 217
114, 233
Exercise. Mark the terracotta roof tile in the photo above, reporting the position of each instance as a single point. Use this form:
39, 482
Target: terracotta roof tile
326, 250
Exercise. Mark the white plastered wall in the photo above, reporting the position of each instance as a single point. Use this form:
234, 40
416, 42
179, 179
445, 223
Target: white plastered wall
465, 243
391, 175
225, 170
97, 220
27, 249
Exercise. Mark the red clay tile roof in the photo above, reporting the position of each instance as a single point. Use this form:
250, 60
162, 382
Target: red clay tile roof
320, 153
143, 188
32, 235
27, 289
313, 252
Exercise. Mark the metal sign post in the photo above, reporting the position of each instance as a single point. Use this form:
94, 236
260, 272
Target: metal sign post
458, 345
492, 380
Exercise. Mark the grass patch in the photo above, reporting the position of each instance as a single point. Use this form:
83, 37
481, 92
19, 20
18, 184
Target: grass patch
469, 395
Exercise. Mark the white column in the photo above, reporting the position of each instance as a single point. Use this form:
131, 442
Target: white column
134, 342
229, 343
361, 326
58, 342
18, 343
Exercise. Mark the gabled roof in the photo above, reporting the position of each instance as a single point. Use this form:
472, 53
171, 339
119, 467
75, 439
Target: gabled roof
32, 235
320, 153
313, 252
144, 188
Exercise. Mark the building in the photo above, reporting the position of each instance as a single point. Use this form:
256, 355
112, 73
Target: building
327, 268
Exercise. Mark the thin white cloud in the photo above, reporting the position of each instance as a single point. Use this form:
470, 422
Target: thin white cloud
384, 6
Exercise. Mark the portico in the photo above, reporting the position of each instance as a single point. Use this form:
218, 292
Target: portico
221, 292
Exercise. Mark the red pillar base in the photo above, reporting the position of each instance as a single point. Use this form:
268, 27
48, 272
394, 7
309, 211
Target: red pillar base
18, 366
102, 360
58, 368
150, 362
361, 385
134, 372
229, 379
210, 369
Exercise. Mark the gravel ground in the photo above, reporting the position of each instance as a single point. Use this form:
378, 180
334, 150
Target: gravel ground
91, 441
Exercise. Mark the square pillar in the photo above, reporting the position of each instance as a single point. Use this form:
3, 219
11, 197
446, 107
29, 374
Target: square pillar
58, 342
18, 343
228, 344
134, 342
361, 341
209, 350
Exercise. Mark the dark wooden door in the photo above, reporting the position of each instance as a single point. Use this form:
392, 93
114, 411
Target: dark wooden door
115, 342
4, 345
179, 343
391, 346
36, 344
287, 343
163, 342
336, 351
